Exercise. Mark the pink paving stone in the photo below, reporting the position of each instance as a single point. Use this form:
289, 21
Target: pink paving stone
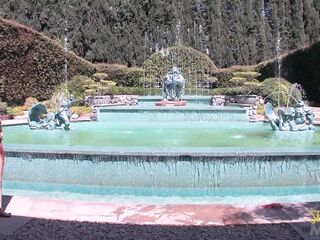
173, 214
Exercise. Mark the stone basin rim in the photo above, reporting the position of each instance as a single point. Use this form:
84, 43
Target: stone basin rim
13, 149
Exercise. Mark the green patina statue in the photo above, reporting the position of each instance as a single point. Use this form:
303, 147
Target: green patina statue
51, 120
173, 84
297, 118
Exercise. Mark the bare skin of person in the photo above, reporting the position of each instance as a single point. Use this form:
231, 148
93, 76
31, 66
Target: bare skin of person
2, 212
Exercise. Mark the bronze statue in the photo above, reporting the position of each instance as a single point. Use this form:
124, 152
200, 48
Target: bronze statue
173, 84
51, 120
297, 118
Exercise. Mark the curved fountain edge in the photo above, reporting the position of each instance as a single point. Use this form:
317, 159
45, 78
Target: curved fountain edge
20, 150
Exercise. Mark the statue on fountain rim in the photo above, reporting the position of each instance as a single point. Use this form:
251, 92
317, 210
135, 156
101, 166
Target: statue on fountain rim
51, 120
297, 118
173, 84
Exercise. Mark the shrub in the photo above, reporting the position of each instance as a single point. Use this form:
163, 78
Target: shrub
300, 66
260, 109
193, 64
90, 92
108, 83
127, 91
16, 111
80, 110
280, 90
30, 101
79, 84
3, 107
237, 81
111, 69
100, 76
128, 77
248, 75
252, 89
229, 91
38, 63
223, 78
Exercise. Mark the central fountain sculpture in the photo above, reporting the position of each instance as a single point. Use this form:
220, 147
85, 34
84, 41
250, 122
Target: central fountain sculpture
173, 88
297, 118
51, 120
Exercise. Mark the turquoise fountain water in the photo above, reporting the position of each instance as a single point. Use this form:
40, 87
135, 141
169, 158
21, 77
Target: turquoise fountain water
165, 158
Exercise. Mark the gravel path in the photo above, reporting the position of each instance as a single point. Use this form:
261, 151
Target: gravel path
52, 229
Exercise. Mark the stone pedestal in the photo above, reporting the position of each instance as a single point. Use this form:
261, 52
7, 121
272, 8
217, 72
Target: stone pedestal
164, 103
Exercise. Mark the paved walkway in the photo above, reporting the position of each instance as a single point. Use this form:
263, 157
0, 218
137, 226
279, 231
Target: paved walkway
25, 209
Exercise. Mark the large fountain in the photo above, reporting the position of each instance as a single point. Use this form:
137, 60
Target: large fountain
196, 153
191, 153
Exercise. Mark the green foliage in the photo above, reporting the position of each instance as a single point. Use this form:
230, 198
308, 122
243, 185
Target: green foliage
32, 64
3, 107
301, 66
193, 64
16, 111
128, 32
237, 81
100, 76
108, 83
114, 90
80, 110
129, 77
79, 84
111, 69
29, 102
2, 81
279, 90
229, 91
248, 75
122, 75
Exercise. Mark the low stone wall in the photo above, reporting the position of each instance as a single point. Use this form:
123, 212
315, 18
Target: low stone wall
112, 100
251, 101
109, 100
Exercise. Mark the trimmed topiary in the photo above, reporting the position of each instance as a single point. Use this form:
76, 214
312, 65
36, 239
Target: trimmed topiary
194, 65
100, 77
248, 75
79, 84
237, 81
32, 64
130, 77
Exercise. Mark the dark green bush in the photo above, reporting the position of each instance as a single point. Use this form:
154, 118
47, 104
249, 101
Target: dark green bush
133, 91
122, 75
100, 76
278, 90
300, 66
3, 107
129, 77
194, 65
252, 89
229, 91
32, 64
79, 84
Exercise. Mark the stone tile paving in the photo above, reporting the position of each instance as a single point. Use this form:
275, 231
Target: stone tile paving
55, 229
